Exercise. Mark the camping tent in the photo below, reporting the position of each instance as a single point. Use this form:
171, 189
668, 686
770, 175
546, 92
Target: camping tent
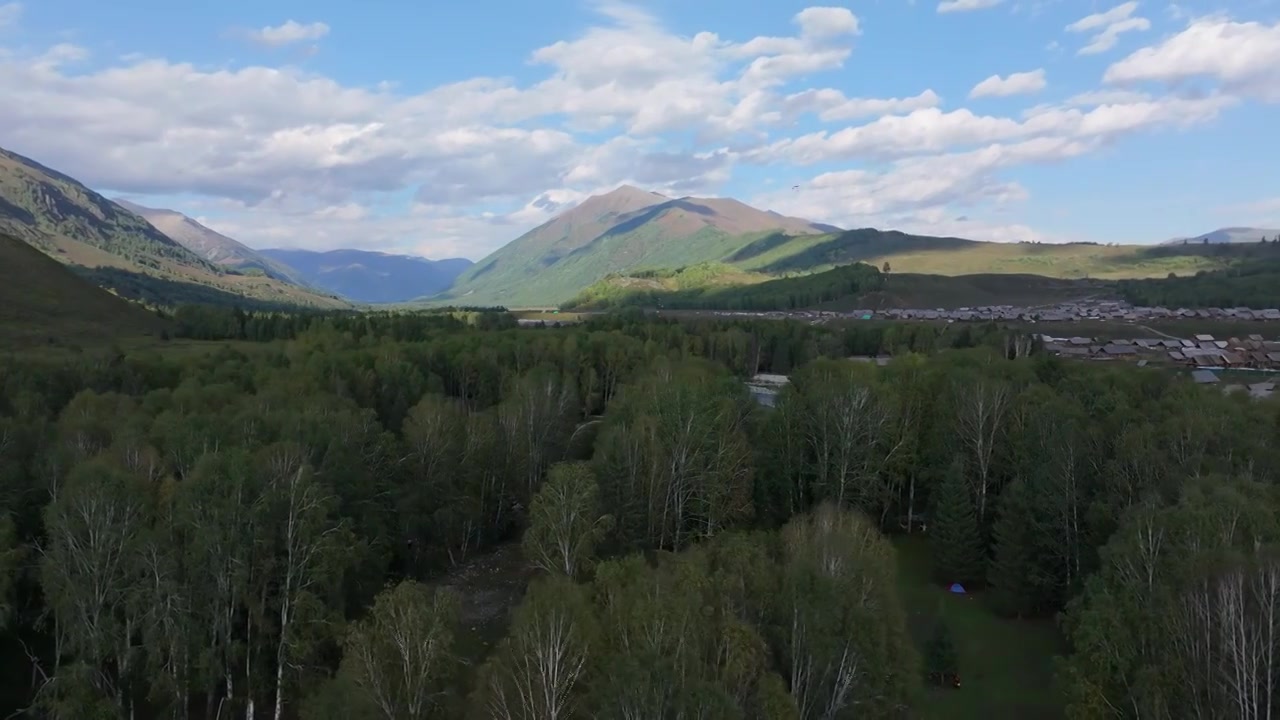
956, 588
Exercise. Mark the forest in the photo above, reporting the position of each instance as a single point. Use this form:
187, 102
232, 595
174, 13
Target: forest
259, 529
1254, 284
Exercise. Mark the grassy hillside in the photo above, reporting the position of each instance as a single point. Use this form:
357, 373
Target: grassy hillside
80, 227
622, 231
957, 256
714, 286
43, 302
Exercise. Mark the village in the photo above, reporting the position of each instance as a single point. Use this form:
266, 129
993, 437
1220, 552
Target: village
1062, 312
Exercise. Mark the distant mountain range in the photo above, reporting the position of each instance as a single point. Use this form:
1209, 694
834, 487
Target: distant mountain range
1230, 235
371, 277
625, 229
357, 275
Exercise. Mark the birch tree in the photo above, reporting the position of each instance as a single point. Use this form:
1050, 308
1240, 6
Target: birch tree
401, 655
309, 556
981, 409
90, 569
535, 673
843, 641
565, 522
220, 509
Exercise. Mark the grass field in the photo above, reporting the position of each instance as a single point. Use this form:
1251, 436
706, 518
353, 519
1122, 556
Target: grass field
1006, 666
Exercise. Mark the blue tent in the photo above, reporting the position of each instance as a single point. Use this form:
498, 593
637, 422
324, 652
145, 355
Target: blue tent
957, 588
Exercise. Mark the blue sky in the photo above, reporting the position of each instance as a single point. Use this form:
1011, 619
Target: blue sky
449, 128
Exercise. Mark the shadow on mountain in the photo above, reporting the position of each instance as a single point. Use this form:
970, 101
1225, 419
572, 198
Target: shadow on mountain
160, 291
759, 247
653, 212
864, 244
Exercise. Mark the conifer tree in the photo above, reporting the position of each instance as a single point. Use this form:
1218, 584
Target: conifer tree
956, 543
941, 660
1011, 565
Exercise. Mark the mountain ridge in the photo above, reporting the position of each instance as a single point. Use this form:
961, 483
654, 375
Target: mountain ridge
120, 250
1236, 234
209, 243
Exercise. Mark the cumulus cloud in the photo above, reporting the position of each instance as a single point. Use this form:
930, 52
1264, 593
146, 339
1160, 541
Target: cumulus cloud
1107, 27
289, 33
831, 105
1022, 83
932, 130
952, 6
1243, 57
10, 13
921, 194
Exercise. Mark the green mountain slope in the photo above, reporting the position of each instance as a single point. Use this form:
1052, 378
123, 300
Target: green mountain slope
120, 250
619, 231
211, 244
42, 302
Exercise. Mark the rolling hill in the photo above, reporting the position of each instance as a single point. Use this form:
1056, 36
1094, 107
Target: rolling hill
210, 244
371, 277
622, 230
119, 250
1230, 235
42, 302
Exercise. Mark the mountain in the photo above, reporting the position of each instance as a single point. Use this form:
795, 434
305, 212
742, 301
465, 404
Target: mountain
210, 244
119, 250
42, 302
1230, 235
371, 277
622, 230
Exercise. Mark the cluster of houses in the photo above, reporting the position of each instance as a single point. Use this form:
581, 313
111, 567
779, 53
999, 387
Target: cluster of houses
1066, 312
1202, 355
1062, 312
1202, 351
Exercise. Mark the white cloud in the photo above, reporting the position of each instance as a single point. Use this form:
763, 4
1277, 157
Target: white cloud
1023, 83
923, 194
10, 13
289, 33
932, 130
1243, 57
831, 105
950, 6
1107, 27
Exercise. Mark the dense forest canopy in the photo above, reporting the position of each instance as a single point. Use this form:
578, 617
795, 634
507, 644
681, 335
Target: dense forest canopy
260, 530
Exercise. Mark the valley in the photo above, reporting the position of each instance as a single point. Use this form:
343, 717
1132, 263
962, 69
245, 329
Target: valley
722, 430
626, 247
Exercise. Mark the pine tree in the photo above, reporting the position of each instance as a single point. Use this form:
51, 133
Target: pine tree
956, 543
940, 656
1013, 572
